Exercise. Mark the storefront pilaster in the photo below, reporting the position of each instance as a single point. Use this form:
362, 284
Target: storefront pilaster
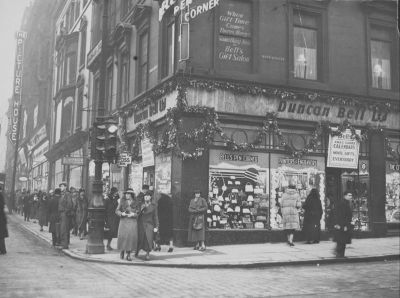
377, 178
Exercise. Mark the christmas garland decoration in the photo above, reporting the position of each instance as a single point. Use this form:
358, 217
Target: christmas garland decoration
347, 125
203, 136
390, 151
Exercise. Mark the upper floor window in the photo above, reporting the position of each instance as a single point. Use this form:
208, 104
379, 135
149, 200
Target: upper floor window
143, 61
169, 47
111, 100
70, 68
381, 57
79, 107
66, 118
123, 78
82, 57
306, 53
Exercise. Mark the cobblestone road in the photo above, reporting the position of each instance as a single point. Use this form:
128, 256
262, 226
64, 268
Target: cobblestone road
33, 269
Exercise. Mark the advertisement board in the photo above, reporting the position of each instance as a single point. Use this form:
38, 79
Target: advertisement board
343, 151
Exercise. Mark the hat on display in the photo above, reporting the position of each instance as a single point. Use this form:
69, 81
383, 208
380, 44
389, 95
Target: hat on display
217, 208
220, 199
237, 209
229, 210
209, 219
250, 198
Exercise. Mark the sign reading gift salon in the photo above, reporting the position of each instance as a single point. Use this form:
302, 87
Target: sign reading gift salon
343, 151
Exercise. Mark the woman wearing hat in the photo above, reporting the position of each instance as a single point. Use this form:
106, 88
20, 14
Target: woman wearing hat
197, 228
127, 210
147, 225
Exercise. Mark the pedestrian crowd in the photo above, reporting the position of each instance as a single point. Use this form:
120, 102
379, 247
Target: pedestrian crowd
141, 222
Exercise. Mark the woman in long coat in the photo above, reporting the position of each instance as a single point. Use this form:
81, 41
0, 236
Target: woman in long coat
43, 206
127, 210
3, 226
290, 206
342, 224
312, 217
54, 216
111, 219
147, 226
81, 213
197, 209
165, 217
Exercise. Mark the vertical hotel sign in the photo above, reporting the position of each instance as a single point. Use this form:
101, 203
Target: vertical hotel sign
18, 70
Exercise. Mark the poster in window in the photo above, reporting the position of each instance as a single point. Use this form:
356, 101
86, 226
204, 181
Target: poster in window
343, 150
163, 173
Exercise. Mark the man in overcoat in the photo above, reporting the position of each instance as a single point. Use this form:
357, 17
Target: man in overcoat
66, 210
111, 218
26, 201
53, 216
342, 224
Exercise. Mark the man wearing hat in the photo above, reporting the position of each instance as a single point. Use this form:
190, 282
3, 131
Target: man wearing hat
111, 219
145, 190
66, 210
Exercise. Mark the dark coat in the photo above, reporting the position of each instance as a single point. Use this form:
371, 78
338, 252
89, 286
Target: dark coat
81, 213
111, 219
3, 219
165, 217
26, 202
147, 221
53, 214
43, 206
312, 217
196, 208
342, 217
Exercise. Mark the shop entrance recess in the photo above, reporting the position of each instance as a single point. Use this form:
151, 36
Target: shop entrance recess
358, 182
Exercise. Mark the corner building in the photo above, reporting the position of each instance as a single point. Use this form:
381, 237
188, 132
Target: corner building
239, 98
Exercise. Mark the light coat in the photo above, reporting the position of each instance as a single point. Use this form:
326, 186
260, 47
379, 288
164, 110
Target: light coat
127, 230
290, 206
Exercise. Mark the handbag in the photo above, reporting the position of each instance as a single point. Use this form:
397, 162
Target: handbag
258, 190
198, 222
248, 187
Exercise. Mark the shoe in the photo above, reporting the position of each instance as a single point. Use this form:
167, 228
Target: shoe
308, 242
136, 255
147, 258
41, 230
121, 255
171, 249
203, 248
291, 244
315, 241
109, 248
196, 248
128, 258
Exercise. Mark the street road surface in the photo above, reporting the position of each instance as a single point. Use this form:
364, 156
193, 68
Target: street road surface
32, 269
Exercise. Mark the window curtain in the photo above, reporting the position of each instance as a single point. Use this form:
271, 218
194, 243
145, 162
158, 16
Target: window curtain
305, 53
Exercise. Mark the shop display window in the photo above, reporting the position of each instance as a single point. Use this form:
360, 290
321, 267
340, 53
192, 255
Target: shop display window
305, 179
392, 205
357, 181
237, 199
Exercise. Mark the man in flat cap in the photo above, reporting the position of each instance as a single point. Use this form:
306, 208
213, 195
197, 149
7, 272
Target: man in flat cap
66, 210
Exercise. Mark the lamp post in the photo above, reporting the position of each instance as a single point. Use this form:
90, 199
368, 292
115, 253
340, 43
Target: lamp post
96, 212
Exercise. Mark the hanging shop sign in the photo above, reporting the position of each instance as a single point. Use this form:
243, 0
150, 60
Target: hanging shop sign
184, 5
72, 160
227, 101
147, 153
124, 159
343, 151
18, 71
37, 138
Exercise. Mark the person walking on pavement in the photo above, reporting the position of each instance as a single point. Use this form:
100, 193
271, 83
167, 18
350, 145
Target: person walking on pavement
312, 217
26, 201
3, 225
127, 210
54, 216
43, 206
165, 217
342, 224
81, 213
147, 226
290, 206
111, 219
66, 209
197, 228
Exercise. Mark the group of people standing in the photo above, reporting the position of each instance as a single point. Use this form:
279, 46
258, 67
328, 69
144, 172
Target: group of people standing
342, 217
